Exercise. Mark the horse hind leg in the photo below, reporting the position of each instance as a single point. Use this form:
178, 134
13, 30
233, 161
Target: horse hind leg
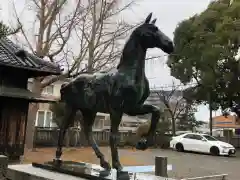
146, 109
67, 120
88, 120
116, 117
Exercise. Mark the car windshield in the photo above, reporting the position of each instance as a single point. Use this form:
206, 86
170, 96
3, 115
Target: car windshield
210, 138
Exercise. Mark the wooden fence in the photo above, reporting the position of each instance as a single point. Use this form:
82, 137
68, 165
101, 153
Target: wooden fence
48, 137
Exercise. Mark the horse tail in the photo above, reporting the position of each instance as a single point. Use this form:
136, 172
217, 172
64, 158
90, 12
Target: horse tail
63, 90
63, 86
69, 90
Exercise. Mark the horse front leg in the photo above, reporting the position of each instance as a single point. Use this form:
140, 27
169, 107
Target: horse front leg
116, 118
66, 121
146, 109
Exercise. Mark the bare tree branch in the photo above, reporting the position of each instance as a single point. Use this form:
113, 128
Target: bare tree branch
90, 24
22, 30
174, 102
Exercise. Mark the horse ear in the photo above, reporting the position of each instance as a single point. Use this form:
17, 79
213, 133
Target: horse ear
148, 18
154, 21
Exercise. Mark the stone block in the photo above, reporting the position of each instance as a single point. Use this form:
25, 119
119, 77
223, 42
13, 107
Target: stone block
3, 166
28, 172
212, 177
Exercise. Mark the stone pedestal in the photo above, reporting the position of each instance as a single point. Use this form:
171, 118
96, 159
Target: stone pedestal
3, 166
28, 172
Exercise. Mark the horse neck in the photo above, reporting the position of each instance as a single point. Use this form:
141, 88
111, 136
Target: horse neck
133, 57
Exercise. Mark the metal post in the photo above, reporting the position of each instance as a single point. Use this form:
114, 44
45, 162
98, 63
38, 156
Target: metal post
161, 166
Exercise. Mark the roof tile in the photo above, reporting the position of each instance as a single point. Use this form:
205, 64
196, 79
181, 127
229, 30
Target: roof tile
9, 57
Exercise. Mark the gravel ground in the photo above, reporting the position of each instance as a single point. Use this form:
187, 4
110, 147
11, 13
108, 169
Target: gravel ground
184, 164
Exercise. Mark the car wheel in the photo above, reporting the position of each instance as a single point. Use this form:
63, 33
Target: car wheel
179, 147
214, 151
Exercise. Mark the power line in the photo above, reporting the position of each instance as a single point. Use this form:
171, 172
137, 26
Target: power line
155, 57
174, 86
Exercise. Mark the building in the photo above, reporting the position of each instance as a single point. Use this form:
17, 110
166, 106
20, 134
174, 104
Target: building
128, 123
44, 114
226, 126
16, 67
222, 122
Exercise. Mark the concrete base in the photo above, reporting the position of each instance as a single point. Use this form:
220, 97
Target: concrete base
28, 172
213, 177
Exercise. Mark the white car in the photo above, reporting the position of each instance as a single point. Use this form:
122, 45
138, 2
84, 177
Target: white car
201, 143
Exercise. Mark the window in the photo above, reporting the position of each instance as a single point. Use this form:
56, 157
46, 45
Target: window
44, 119
40, 118
107, 121
210, 138
48, 119
97, 123
193, 136
197, 137
48, 90
30, 85
189, 136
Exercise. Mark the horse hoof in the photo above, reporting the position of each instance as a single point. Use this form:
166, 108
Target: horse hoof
142, 145
105, 165
57, 162
118, 167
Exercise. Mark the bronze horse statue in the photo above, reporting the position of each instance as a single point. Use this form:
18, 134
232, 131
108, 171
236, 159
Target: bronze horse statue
122, 90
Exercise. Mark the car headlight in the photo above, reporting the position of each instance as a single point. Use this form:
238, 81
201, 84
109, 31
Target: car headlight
223, 146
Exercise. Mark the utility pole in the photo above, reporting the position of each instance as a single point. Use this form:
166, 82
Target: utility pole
210, 112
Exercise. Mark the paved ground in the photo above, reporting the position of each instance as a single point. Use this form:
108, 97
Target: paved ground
184, 164
194, 165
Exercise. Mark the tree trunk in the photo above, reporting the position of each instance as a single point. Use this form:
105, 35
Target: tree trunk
32, 111
210, 113
173, 126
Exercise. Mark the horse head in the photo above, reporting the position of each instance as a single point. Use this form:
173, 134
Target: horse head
152, 37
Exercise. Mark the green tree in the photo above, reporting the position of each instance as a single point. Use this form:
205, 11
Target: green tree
6, 31
3, 30
186, 118
188, 122
194, 123
206, 48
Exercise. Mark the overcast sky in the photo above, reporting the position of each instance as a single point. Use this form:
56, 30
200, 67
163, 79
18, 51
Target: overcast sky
168, 13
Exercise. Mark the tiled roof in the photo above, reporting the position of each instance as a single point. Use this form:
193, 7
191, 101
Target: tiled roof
9, 57
23, 94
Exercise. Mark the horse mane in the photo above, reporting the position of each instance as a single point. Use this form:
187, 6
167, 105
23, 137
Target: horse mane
129, 45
